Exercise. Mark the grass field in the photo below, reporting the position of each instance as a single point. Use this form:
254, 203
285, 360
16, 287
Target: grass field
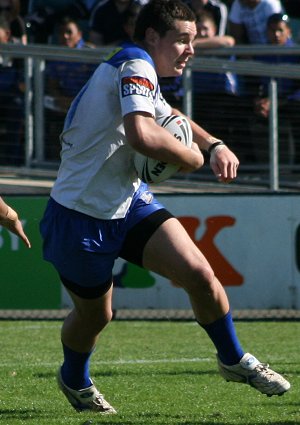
151, 372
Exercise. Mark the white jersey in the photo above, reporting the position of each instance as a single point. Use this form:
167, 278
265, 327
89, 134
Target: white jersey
97, 175
254, 20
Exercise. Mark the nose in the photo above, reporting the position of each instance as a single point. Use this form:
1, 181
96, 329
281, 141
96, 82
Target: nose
190, 48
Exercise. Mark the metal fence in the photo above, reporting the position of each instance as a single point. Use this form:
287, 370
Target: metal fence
269, 150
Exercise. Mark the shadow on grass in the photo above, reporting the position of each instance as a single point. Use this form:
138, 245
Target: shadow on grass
22, 414
144, 419
152, 418
153, 372
185, 422
139, 372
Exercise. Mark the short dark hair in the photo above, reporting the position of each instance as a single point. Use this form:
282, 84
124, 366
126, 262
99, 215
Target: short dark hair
278, 17
4, 23
68, 19
131, 12
160, 15
205, 16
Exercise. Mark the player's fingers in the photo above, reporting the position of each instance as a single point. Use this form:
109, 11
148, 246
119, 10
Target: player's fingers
230, 170
233, 170
216, 170
225, 173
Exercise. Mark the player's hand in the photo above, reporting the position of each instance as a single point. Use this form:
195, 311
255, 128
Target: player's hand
224, 163
12, 223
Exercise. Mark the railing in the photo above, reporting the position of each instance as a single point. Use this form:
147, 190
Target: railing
203, 62
210, 60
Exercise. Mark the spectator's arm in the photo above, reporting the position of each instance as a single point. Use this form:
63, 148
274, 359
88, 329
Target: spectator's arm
214, 42
60, 102
238, 32
96, 38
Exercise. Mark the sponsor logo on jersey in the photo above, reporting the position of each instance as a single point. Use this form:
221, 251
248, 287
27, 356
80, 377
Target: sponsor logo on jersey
137, 85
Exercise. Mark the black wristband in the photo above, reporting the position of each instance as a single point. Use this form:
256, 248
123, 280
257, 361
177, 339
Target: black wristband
214, 145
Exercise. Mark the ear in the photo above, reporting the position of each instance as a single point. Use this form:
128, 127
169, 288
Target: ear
151, 36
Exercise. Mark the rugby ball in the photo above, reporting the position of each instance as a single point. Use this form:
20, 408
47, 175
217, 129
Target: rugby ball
153, 171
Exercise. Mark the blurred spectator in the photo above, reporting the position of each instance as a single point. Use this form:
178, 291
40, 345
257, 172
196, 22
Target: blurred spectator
279, 33
248, 20
10, 11
64, 79
42, 16
40, 25
89, 4
248, 24
57, 5
106, 22
214, 94
11, 103
216, 8
129, 18
292, 8
24, 7
172, 90
207, 33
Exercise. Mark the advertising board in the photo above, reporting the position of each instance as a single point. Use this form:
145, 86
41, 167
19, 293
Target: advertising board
251, 240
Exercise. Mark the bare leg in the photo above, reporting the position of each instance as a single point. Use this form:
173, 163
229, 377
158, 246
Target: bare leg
171, 253
81, 328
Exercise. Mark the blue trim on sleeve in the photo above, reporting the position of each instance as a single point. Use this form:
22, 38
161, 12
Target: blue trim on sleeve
128, 51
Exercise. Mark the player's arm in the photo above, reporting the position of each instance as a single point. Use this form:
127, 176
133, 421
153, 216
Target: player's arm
223, 161
150, 139
9, 219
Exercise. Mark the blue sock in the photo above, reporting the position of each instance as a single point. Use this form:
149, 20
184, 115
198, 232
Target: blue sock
223, 335
75, 369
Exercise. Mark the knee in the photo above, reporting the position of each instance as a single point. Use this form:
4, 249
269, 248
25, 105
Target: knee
204, 278
198, 278
95, 319
103, 318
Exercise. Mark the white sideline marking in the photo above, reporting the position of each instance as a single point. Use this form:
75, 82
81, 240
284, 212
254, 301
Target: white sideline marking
115, 362
151, 361
39, 326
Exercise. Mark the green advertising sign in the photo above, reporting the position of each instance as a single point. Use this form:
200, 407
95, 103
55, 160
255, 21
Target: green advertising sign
27, 281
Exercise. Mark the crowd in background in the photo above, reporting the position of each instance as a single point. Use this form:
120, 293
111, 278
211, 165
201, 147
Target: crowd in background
221, 101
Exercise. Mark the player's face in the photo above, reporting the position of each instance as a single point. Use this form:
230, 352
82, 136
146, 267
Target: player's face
172, 51
278, 33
